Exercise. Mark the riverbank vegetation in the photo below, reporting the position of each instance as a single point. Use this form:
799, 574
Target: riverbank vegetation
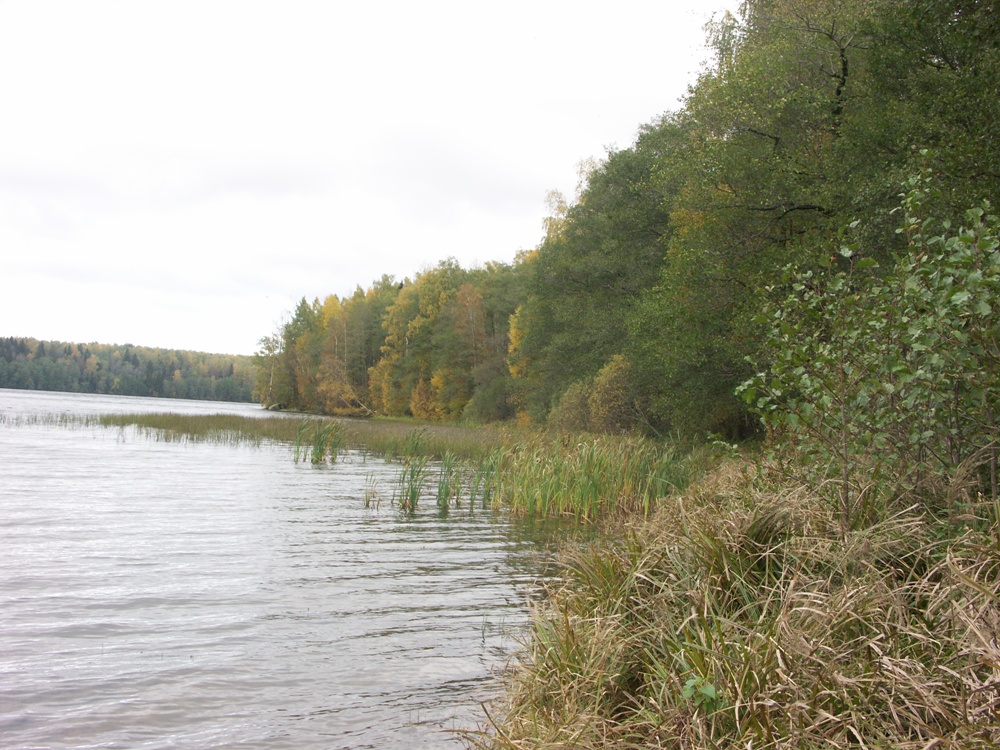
390, 439
127, 370
508, 468
744, 615
842, 590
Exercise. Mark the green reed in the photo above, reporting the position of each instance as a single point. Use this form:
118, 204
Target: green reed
588, 478
229, 429
391, 439
451, 480
301, 438
483, 478
411, 482
414, 443
320, 440
529, 473
395, 439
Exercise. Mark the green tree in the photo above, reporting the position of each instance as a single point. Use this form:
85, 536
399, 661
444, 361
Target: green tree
594, 263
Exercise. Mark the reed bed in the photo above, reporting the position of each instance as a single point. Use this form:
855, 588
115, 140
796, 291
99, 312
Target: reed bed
391, 439
229, 429
41, 420
740, 616
321, 441
524, 472
411, 482
451, 481
588, 479
394, 439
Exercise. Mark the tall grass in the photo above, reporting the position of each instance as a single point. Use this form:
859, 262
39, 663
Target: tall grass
451, 480
388, 438
411, 482
587, 478
321, 440
484, 478
529, 473
373, 498
230, 429
741, 617
35, 420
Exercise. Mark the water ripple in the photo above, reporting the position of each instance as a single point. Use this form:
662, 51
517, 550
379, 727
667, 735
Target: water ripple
157, 595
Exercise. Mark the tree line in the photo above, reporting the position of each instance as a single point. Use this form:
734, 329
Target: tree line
125, 370
641, 306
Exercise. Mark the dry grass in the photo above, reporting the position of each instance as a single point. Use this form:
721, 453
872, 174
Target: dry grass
742, 616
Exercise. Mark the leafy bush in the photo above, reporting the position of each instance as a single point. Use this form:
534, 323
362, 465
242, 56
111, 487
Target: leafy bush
889, 387
612, 403
572, 411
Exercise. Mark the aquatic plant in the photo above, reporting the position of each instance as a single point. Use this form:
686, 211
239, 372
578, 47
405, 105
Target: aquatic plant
413, 445
528, 473
321, 440
327, 441
484, 477
411, 482
450, 480
372, 497
301, 438
229, 429
388, 438
588, 477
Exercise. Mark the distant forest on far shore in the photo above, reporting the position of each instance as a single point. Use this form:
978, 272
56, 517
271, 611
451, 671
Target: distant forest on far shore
126, 370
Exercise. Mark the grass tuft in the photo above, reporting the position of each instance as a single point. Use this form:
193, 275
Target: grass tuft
741, 616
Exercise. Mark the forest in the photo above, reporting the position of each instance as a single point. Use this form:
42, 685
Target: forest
125, 370
641, 307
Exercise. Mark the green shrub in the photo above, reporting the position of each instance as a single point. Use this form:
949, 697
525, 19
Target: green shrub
572, 411
884, 388
612, 402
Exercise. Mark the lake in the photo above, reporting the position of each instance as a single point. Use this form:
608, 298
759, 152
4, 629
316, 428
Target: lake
195, 595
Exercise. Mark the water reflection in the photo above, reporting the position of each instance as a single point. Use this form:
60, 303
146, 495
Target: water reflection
197, 595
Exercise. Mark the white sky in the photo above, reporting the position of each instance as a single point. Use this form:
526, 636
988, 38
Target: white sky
179, 174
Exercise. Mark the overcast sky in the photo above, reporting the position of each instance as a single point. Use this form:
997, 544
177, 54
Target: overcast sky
179, 174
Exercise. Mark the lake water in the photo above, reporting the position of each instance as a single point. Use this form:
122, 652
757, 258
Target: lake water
193, 595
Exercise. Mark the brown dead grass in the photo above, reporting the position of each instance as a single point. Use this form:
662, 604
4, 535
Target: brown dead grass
886, 636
